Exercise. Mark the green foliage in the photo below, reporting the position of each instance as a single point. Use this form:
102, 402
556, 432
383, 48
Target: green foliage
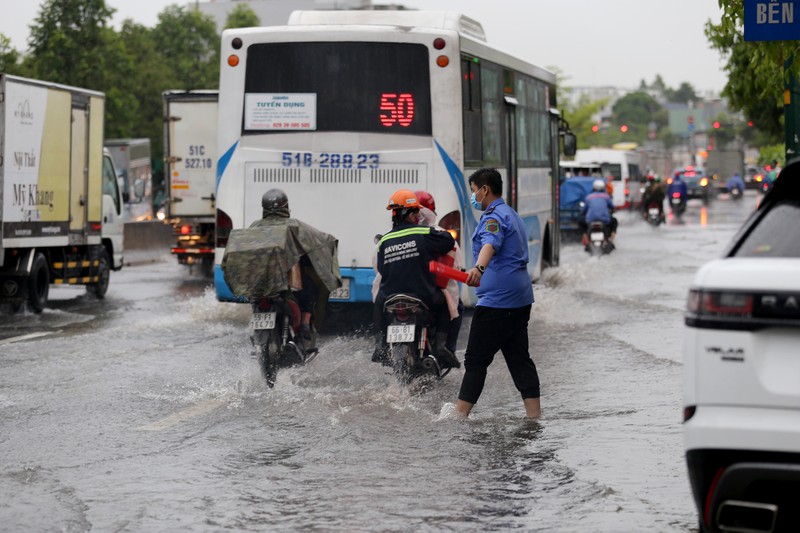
683, 95
769, 153
9, 57
755, 69
189, 43
69, 43
242, 16
580, 119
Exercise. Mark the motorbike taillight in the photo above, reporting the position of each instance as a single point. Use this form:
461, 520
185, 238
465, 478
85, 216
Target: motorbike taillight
676, 195
264, 304
402, 314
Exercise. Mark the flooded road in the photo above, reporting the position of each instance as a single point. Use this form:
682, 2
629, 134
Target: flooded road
147, 412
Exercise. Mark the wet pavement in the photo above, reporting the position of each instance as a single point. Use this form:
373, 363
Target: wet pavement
146, 411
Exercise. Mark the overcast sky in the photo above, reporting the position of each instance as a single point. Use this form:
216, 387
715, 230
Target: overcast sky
592, 42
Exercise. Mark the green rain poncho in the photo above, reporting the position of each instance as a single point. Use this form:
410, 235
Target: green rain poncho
257, 260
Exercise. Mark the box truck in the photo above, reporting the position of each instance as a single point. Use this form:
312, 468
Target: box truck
61, 207
190, 169
135, 176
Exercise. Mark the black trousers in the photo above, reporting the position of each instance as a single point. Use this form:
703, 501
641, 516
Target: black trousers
505, 330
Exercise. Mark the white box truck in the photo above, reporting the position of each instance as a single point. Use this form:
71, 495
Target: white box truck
61, 207
135, 176
190, 169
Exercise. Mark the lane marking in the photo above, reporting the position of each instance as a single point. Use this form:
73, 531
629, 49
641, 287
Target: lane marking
27, 337
180, 416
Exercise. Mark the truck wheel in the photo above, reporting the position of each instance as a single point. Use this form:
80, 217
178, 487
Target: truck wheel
100, 288
38, 283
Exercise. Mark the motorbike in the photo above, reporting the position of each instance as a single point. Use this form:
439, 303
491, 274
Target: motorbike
598, 239
677, 203
736, 193
275, 323
653, 215
410, 337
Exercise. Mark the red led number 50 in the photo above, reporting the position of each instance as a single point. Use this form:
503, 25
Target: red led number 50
397, 109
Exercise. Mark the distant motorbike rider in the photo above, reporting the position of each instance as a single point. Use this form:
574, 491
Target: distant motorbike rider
598, 206
404, 254
735, 182
677, 186
653, 194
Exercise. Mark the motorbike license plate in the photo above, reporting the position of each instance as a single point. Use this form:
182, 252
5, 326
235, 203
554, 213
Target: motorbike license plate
396, 334
653, 211
263, 321
676, 201
597, 236
343, 292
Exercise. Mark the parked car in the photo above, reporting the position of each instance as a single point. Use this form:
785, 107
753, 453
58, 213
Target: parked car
742, 372
698, 185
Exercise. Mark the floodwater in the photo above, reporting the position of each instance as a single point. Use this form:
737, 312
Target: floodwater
152, 416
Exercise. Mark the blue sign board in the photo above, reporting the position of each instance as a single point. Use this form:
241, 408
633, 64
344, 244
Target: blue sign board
771, 20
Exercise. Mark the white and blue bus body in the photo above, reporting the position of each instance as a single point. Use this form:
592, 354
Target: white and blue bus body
341, 108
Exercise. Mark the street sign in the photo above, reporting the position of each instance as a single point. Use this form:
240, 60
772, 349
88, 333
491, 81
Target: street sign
771, 20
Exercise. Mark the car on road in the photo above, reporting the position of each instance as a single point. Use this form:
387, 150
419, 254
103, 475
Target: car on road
741, 353
753, 178
698, 184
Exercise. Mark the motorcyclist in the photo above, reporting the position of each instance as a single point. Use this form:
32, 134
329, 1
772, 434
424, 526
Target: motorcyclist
653, 194
449, 287
275, 205
677, 186
404, 254
736, 182
598, 206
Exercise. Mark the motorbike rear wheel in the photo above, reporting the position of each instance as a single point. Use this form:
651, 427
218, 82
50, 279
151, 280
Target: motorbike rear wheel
402, 359
268, 353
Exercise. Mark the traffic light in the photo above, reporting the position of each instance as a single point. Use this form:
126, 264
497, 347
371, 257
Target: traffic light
595, 128
624, 128
716, 124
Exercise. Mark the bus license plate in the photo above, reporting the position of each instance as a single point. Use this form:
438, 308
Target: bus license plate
395, 334
263, 321
343, 292
597, 236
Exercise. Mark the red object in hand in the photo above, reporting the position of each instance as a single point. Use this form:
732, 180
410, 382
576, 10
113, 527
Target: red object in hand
450, 272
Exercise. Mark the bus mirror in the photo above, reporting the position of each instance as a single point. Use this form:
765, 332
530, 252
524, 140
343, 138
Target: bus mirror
570, 143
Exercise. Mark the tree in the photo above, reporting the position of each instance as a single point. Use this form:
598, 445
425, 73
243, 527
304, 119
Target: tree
581, 119
189, 43
683, 95
9, 57
755, 69
69, 42
636, 111
242, 16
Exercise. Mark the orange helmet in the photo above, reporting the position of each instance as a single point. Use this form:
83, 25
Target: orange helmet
402, 199
426, 200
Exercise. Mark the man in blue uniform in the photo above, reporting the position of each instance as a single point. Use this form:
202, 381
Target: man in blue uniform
505, 295
403, 257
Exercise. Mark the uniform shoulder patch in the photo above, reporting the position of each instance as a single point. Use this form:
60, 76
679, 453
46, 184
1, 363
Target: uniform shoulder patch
492, 225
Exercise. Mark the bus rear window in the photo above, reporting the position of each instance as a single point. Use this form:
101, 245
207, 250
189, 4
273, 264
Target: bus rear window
337, 86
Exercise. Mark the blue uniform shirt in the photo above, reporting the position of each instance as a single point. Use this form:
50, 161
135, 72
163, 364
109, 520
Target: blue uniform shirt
506, 283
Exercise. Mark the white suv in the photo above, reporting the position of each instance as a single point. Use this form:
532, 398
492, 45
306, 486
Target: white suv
742, 373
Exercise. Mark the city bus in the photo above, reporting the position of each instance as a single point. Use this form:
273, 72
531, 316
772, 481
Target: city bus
341, 108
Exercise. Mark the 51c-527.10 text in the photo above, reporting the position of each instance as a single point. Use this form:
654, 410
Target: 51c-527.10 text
330, 160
